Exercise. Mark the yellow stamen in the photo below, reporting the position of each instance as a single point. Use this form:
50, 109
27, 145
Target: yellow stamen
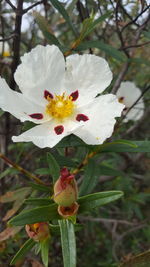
60, 107
6, 54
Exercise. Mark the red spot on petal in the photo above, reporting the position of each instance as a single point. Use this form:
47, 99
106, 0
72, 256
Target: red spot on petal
75, 95
37, 116
47, 94
82, 117
59, 129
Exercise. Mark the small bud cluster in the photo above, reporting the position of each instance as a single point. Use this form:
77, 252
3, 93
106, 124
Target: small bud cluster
66, 193
38, 231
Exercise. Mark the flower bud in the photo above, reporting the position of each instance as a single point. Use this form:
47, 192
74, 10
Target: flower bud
65, 212
38, 231
65, 189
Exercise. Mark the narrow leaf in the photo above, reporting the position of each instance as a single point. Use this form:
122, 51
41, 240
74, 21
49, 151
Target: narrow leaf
38, 201
141, 260
136, 146
64, 13
96, 22
45, 28
90, 179
44, 251
68, 243
28, 245
53, 167
41, 214
96, 200
40, 187
108, 49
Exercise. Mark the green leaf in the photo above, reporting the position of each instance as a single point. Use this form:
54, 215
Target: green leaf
96, 200
105, 170
90, 179
86, 25
8, 171
53, 167
1, 112
116, 146
147, 34
55, 229
108, 49
89, 24
45, 28
44, 250
39, 187
126, 146
71, 141
64, 161
64, 13
68, 243
28, 245
140, 60
42, 171
41, 214
141, 260
38, 201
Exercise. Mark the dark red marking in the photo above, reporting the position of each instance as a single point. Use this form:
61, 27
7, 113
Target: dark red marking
47, 94
75, 95
82, 117
59, 129
66, 177
64, 172
37, 116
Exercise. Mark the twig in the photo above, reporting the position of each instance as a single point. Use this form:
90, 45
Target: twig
137, 124
10, 3
127, 64
121, 237
30, 7
16, 42
20, 169
104, 220
7, 38
120, 77
134, 46
134, 20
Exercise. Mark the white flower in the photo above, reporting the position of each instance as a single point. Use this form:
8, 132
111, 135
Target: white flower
127, 94
4, 49
61, 97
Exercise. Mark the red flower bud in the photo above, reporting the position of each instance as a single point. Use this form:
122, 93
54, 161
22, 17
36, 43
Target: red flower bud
65, 189
37, 231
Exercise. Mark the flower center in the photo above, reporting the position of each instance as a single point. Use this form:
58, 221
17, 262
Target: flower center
60, 107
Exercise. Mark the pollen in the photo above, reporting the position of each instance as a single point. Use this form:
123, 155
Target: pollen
6, 54
60, 107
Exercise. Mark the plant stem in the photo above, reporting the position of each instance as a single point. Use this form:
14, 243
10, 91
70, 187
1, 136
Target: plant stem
20, 169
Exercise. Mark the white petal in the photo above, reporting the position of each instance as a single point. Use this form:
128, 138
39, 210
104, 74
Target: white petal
101, 121
130, 92
41, 69
4, 48
88, 74
136, 112
44, 135
17, 104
